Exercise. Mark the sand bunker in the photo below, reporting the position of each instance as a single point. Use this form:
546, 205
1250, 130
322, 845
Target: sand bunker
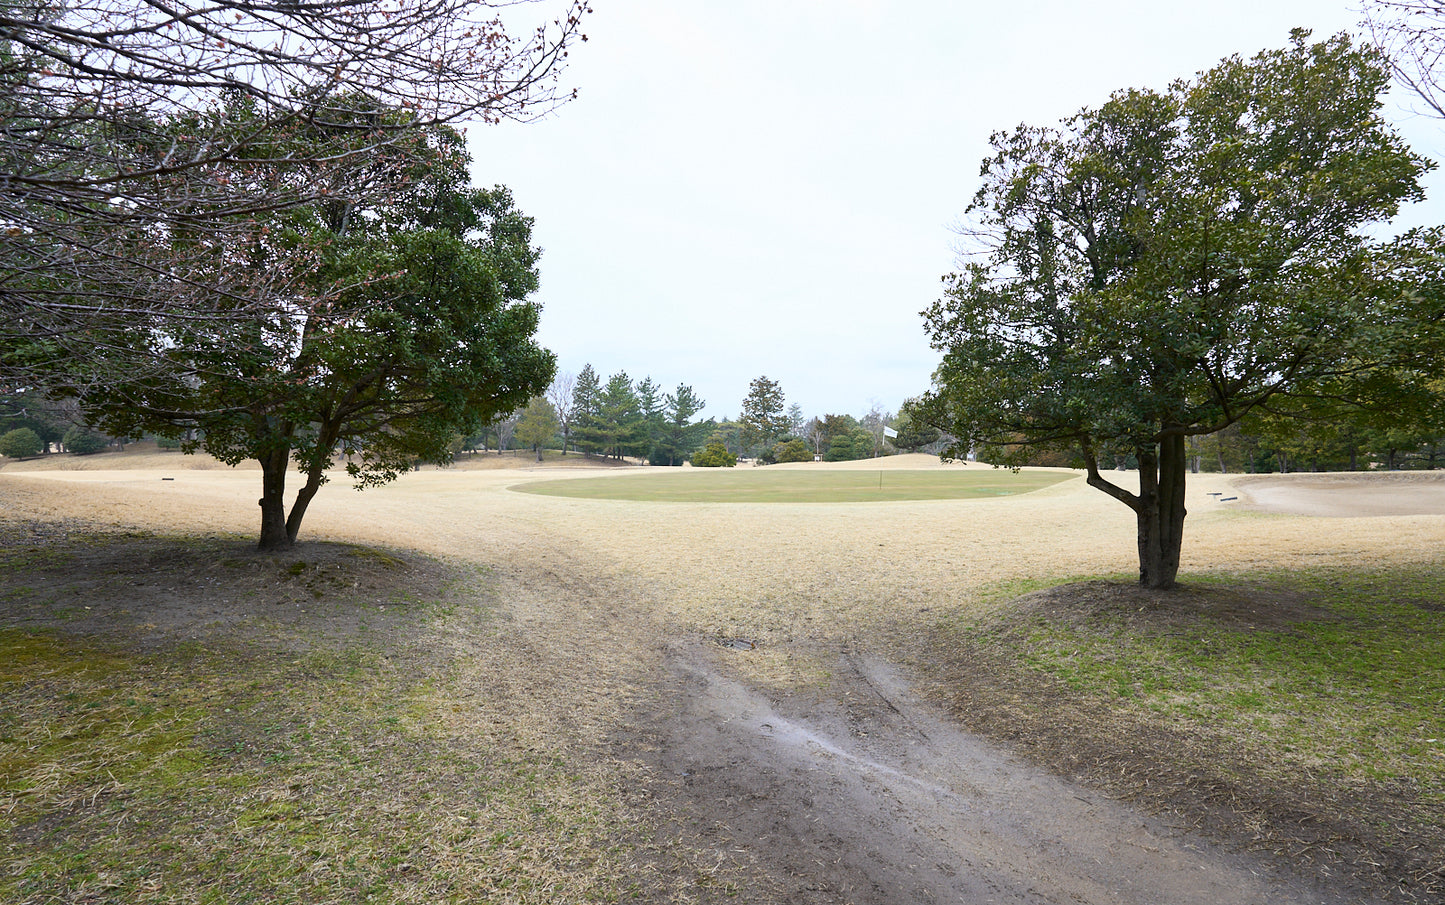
1346, 495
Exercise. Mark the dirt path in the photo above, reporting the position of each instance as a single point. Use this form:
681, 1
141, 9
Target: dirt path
861, 794
806, 767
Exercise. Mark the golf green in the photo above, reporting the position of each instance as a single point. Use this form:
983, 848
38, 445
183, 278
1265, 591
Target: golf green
758, 485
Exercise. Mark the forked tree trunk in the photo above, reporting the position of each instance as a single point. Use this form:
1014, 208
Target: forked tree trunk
1158, 508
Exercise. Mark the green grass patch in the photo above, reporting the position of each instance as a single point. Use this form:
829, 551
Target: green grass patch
334, 764
215, 777
762, 485
1336, 674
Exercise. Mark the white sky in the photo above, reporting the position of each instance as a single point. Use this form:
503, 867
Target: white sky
767, 187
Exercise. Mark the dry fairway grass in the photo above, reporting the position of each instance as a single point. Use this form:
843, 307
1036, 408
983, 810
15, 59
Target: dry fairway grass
591, 591
768, 572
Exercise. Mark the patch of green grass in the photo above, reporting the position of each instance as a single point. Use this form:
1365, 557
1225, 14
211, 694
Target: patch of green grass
209, 775
1351, 687
761, 485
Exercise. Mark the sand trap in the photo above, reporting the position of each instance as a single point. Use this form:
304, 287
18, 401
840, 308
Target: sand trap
1345, 495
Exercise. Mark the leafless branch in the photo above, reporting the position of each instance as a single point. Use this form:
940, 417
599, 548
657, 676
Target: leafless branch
144, 144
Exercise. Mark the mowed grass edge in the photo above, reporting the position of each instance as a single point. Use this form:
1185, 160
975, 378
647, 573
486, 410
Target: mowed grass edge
761, 485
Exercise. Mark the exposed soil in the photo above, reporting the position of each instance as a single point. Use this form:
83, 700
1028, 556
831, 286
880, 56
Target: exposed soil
804, 763
859, 792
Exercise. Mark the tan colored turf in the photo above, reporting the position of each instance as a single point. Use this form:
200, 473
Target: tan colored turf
763, 570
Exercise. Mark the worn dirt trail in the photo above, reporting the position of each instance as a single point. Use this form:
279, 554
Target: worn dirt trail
863, 795
806, 764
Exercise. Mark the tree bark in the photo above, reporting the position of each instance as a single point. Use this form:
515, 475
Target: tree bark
1158, 507
1166, 526
303, 499
274, 535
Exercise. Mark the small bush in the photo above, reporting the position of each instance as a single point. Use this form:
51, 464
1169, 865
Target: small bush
82, 442
20, 443
794, 450
715, 455
168, 443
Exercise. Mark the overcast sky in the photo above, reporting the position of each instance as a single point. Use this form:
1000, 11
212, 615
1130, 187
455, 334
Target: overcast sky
768, 187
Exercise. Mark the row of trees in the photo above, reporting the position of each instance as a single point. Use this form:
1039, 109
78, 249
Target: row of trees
623, 418
1268, 445
636, 419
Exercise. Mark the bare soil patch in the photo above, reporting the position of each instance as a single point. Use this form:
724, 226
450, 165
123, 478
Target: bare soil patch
1242, 609
854, 790
155, 591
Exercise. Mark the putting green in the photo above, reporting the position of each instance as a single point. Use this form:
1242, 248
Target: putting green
797, 486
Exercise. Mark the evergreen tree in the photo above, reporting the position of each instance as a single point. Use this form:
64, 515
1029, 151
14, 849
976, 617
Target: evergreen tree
619, 423
586, 396
680, 435
651, 405
764, 419
538, 425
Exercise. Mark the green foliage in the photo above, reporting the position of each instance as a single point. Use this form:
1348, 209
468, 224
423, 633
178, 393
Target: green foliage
914, 433
538, 425
854, 443
613, 423
585, 400
20, 443
715, 455
763, 419
35, 411
680, 436
83, 442
429, 336
1170, 263
651, 404
794, 450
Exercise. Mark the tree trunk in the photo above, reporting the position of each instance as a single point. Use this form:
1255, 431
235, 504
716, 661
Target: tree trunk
274, 535
314, 478
1158, 508
1160, 571
538, 448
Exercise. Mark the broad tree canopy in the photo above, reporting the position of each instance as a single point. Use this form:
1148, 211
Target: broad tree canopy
427, 332
1169, 263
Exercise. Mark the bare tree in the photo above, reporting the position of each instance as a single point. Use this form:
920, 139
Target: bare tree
146, 147
560, 395
1411, 34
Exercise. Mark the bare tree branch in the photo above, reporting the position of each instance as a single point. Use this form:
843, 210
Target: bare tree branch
148, 146
1411, 34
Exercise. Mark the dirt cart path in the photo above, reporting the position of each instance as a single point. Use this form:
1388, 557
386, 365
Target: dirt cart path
865, 796
804, 765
